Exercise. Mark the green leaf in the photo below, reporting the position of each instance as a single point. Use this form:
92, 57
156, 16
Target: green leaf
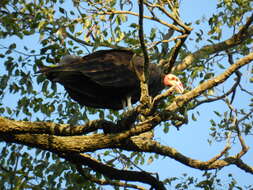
72, 28
41, 24
166, 129
153, 34
3, 82
62, 10
12, 46
193, 117
2, 110
217, 113
44, 86
150, 159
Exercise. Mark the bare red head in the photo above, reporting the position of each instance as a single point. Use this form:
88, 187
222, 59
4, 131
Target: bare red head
173, 81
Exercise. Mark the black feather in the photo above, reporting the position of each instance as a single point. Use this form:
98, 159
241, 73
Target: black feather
104, 78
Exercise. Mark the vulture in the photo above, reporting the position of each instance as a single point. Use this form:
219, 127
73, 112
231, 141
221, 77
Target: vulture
107, 78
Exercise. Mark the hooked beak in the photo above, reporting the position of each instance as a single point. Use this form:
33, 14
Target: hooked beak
173, 81
178, 86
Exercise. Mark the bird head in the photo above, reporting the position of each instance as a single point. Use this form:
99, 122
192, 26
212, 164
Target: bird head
173, 81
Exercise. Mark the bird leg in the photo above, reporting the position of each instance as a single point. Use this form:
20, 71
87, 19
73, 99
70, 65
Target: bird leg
127, 103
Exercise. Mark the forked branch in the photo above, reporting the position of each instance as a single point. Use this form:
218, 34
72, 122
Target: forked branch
244, 33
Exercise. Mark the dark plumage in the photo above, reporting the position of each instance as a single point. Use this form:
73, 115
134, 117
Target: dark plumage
103, 79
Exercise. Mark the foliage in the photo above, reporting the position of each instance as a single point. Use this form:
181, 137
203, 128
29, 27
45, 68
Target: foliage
41, 32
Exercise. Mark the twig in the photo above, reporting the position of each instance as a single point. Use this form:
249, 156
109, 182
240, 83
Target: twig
173, 7
162, 96
112, 12
92, 44
22, 53
226, 148
245, 148
246, 116
244, 33
153, 44
238, 74
235, 123
142, 42
174, 53
176, 20
123, 156
232, 89
244, 90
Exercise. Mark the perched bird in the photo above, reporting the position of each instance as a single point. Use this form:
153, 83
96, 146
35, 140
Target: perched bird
107, 78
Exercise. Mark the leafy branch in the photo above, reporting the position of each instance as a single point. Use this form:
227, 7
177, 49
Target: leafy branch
243, 34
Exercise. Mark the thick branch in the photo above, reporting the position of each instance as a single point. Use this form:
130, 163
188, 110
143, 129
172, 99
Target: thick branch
69, 143
112, 173
19, 127
240, 164
106, 182
147, 145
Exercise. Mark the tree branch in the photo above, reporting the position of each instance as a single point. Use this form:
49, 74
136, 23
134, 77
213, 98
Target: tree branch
142, 42
240, 164
153, 44
168, 65
113, 12
106, 182
145, 99
244, 33
113, 173
147, 145
92, 44
69, 143
21, 127
181, 100
226, 148
171, 16
232, 89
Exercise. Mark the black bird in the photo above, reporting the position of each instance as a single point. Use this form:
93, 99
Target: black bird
107, 78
